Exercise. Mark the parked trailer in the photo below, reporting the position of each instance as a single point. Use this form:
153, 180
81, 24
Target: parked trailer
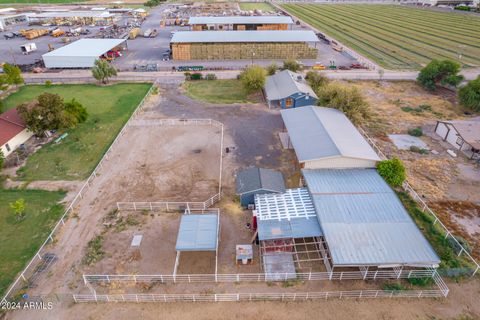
58, 33
28, 47
147, 33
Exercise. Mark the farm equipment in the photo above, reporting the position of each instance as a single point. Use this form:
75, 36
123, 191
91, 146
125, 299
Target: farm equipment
147, 33
357, 66
57, 33
33, 33
318, 66
50, 47
189, 68
154, 33
151, 67
28, 47
332, 65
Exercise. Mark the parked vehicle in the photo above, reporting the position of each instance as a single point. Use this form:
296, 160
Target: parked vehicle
28, 47
318, 66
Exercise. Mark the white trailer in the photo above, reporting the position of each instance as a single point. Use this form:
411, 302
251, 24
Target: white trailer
28, 47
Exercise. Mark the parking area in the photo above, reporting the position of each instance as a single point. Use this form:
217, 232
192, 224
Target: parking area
143, 51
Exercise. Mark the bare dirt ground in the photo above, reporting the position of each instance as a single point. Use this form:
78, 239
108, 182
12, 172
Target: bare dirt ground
450, 185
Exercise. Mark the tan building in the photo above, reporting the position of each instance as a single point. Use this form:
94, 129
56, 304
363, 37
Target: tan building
241, 23
236, 45
13, 131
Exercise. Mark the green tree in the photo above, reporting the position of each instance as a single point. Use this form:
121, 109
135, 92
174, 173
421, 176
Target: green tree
272, 69
469, 96
292, 65
393, 171
47, 113
2, 159
316, 80
18, 208
253, 78
443, 72
345, 98
103, 71
13, 74
76, 110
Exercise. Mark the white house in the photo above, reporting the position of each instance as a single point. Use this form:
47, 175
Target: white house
324, 138
463, 135
13, 131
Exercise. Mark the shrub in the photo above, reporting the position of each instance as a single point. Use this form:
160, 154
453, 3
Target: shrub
292, 65
444, 72
48, 83
418, 150
272, 69
253, 78
316, 80
210, 76
393, 171
462, 8
2, 159
469, 96
421, 282
345, 98
196, 76
415, 132
188, 76
94, 251
393, 287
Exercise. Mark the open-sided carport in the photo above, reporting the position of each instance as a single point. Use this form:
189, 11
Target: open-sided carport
198, 232
81, 53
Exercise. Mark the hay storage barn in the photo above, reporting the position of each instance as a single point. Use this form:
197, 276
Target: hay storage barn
81, 53
324, 138
240, 23
236, 45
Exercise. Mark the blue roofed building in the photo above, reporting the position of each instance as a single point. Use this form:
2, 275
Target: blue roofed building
287, 89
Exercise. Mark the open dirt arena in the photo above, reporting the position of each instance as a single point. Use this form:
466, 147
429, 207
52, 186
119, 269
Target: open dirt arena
167, 163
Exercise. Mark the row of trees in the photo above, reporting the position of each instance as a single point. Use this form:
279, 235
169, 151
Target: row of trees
11, 76
446, 73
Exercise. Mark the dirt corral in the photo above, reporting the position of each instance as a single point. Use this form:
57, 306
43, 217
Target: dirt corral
174, 163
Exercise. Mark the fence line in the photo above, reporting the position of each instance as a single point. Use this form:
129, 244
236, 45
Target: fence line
425, 208
228, 297
89, 79
263, 277
177, 205
37, 257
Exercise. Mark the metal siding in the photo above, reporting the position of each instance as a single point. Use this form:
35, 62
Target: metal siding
318, 133
364, 222
197, 232
340, 163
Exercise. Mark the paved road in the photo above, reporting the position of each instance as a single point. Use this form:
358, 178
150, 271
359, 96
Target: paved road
171, 77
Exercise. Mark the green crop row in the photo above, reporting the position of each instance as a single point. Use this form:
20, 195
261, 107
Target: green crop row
396, 37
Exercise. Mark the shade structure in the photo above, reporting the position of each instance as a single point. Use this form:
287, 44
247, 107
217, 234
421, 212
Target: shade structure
240, 20
197, 232
80, 54
364, 222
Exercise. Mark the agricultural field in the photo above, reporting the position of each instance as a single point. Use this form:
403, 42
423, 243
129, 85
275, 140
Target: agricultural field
248, 6
76, 156
397, 37
21, 238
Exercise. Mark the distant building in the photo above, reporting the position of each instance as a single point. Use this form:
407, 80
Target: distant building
462, 135
11, 20
287, 89
255, 180
74, 18
324, 138
240, 23
237, 45
13, 131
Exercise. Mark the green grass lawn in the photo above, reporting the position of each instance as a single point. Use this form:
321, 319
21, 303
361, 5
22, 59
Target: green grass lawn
76, 156
19, 240
250, 6
217, 91
397, 37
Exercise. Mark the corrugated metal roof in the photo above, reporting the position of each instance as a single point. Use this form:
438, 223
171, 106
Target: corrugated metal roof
364, 222
285, 83
243, 36
318, 133
85, 48
293, 228
73, 14
255, 178
197, 232
241, 20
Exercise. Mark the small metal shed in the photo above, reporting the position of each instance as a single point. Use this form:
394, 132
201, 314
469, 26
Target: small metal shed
198, 232
256, 180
